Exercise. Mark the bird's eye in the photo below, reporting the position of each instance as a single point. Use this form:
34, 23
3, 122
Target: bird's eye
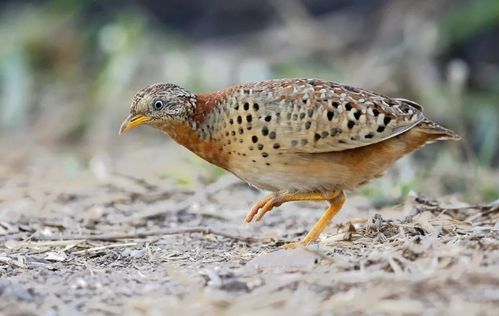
158, 105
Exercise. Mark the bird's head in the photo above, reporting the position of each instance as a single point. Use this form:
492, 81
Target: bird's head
158, 104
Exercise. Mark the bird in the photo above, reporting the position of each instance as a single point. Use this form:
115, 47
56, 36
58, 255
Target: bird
300, 139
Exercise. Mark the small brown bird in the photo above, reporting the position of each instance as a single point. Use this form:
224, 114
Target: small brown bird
301, 139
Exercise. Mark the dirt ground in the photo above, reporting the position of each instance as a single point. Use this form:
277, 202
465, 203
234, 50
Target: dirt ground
119, 238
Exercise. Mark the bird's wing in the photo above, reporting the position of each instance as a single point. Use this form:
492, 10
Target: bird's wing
314, 116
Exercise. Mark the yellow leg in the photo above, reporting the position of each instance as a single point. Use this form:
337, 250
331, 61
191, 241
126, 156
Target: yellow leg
335, 206
273, 200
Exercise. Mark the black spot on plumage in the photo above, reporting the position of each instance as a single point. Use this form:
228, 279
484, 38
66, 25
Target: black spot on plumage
233, 133
295, 117
246, 106
308, 124
317, 136
375, 112
350, 124
302, 115
335, 104
249, 118
268, 118
357, 115
241, 131
348, 106
259, 146
276, 146
254, 139
370, 135
255, 106
231, 121
335, 131
239, 119
324, 134
265, 131
330, 115
380, 129
294, 143
265, 155
272, 135
310, 112
387, 120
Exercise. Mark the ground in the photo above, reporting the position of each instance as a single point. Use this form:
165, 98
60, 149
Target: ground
119, 238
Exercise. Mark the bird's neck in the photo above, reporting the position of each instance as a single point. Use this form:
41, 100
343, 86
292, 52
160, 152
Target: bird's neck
205, 103
185, 134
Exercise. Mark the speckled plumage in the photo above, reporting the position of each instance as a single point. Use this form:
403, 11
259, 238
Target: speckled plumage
293, 136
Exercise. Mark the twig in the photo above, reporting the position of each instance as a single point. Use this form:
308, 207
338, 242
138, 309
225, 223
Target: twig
11, 261
129, 244
48, 242
166, 231
139, 181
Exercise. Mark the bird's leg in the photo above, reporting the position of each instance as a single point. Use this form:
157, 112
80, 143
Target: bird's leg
335, 206
273, 200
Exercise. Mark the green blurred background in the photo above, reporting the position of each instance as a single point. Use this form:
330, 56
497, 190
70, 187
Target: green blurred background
68, 70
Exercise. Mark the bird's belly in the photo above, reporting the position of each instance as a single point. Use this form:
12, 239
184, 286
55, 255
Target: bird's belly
326, 172
298, 173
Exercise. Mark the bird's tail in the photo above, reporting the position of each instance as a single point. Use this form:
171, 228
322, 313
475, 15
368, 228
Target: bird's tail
437, 131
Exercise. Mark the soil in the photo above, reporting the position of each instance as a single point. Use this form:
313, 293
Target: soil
103, 241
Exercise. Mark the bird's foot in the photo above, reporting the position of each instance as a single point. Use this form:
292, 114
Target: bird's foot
262, 207
294, 245
305, 242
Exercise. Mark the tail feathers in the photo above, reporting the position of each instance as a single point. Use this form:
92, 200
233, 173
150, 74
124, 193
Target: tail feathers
437, 131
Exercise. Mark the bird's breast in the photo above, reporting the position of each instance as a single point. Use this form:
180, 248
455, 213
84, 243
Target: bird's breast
192, 139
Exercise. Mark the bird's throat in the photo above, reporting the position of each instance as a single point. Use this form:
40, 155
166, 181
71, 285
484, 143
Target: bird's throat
185, 135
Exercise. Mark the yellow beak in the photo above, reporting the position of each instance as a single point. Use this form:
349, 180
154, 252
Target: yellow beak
133, 121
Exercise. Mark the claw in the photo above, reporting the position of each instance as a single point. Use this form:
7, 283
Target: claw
267, 208
261, 207
254, 210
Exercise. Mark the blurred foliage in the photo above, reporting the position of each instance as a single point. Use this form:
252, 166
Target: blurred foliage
68, 69
466, 20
